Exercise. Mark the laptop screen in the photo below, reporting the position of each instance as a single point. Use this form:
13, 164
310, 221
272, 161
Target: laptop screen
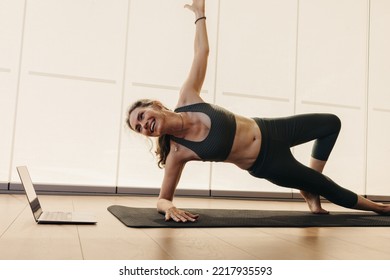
30, 191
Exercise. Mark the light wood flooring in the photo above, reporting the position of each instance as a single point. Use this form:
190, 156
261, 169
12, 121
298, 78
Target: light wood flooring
22, 238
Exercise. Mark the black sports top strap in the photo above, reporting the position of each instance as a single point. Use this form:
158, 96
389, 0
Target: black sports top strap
218, 143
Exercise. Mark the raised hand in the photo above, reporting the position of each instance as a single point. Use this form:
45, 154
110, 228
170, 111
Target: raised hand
198, 7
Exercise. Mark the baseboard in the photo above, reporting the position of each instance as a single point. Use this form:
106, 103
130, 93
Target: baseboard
156, 191
110, 190
379, 198
251, 194
3, 186
297, 195
65, 189
138, 191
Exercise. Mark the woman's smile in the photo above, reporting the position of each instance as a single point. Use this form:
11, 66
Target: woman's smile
152, 125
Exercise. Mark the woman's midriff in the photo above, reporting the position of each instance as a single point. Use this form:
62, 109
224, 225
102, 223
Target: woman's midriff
247, 143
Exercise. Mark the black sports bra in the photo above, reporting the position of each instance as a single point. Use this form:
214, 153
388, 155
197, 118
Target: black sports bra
218, 143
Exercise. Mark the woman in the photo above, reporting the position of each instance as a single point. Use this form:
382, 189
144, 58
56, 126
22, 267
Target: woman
200, 131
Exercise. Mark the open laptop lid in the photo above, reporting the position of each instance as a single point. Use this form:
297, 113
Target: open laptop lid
30, 191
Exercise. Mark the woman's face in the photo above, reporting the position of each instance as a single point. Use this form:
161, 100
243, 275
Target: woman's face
148, 121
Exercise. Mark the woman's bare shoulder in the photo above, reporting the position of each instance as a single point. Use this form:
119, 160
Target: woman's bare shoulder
186, 98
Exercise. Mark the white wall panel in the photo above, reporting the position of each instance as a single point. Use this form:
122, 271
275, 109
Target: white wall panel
76, 38
332, 52
68, 132
160, 53
255, 72
70, 93
161, 43
11, 22
378, 150
256, 54
378, 153
331, 77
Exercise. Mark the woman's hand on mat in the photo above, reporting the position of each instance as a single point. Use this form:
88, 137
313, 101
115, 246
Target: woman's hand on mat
179, 215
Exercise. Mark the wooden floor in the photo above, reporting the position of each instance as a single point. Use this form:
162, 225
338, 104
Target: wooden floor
22, 238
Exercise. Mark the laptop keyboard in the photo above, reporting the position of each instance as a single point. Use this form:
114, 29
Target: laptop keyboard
56, 216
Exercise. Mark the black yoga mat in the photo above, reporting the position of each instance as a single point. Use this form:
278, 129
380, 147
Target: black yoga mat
149, 218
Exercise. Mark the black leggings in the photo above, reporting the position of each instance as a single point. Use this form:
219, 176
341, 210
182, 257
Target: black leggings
276, 163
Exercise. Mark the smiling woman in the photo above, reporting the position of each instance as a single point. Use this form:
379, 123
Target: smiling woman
148, 117
196, 130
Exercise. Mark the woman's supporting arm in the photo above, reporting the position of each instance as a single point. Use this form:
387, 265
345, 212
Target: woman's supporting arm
165, 205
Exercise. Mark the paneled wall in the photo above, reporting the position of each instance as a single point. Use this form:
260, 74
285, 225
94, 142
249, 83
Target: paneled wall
11, 29
378, 136
255, 72
160, 50
70, 91
70, 69
332, 77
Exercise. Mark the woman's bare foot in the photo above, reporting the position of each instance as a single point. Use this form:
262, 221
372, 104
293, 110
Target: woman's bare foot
314, 203
369, 205
385, 210
313, 200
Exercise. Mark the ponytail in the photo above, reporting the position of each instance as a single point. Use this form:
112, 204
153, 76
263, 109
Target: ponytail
163, 149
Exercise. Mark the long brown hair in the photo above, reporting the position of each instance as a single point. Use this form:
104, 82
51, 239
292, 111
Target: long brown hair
164, 141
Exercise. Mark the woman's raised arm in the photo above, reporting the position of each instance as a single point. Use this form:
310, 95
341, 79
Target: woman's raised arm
192, 86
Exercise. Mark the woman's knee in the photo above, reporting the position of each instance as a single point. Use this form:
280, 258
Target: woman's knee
334, 121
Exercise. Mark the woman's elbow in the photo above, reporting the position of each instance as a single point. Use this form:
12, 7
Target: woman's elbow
202, 51
206, 51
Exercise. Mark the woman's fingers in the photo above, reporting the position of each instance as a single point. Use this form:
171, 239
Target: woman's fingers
189, 7
194, 216
180, 215
167, 216
196, 6
187, 216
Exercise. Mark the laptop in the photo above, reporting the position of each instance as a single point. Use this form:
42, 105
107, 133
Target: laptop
45, 217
